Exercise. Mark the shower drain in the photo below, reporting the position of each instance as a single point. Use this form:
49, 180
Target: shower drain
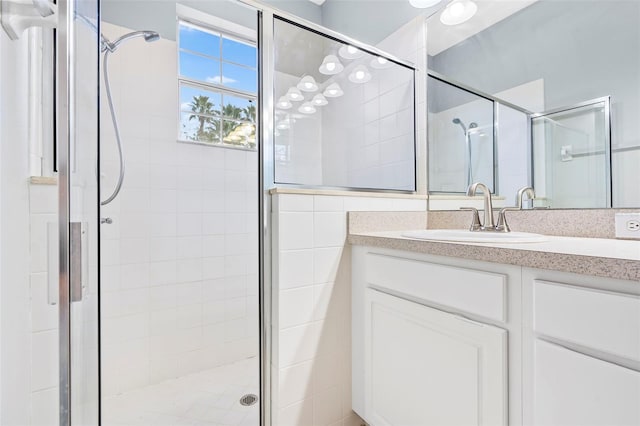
248, 399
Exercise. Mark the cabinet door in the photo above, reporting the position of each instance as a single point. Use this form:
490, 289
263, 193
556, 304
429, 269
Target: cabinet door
426, 367
572, 389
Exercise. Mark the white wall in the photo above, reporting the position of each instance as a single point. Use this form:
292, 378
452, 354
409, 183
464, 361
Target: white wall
14, 229
179, 262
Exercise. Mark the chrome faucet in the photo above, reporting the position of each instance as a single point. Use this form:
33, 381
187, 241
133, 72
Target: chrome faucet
487, 224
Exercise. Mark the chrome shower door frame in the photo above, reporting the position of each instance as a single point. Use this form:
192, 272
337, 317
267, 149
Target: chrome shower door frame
74, 222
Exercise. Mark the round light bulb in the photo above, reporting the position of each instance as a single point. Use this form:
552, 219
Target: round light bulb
456, 9
422, 4
458, 12
381, 60
352, 50
331, 66
332, 92
359, 75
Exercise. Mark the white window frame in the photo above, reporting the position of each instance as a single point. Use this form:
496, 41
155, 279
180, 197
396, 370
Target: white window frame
224, 28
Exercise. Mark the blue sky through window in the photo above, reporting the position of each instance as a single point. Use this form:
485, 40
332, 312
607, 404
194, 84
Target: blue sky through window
204, 66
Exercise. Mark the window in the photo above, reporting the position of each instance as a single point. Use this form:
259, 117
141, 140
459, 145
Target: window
218, 87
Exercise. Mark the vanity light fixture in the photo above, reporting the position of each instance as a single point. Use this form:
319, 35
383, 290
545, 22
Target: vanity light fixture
350, 52
319, 100
308, 84
331, 65
307, 108
380, 63
360, 74
333, 91
458, 12
294, 94
284, 103
423, 4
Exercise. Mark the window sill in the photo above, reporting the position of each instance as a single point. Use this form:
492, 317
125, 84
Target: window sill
43, 180
219, 145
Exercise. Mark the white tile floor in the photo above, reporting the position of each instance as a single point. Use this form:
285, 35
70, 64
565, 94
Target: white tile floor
207, 398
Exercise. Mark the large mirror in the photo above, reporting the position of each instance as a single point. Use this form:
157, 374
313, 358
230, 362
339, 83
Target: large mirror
562, 81
344, 116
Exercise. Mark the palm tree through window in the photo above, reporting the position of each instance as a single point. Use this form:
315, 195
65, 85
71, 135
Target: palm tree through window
218, 87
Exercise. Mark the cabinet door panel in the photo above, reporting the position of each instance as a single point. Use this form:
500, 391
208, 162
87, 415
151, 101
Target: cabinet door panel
426, 367
574, 389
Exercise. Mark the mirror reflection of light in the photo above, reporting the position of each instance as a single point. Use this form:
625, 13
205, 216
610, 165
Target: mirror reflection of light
308, 84
319, 100
307, 108
360, 74
331, 65
333, 91
284, 103
350, 52
294, 94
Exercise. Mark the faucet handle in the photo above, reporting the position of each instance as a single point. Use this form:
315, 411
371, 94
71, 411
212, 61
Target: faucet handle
475, 220
502, 225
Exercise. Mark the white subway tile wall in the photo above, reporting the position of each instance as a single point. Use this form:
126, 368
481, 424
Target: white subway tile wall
179, 262
43, 205
312, 314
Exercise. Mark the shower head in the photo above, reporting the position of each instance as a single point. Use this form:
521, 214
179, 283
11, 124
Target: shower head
458, 121
111, 46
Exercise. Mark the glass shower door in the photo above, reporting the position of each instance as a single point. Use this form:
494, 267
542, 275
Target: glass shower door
78, 200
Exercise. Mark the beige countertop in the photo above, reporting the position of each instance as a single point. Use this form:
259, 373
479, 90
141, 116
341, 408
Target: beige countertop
588, 256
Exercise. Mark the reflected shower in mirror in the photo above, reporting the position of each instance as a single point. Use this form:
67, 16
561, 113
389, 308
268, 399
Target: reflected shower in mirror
571, 153
539, 56
344, 116
461, 148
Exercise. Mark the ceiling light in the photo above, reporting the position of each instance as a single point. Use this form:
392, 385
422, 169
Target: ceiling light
308, 84
294, 94
458, 12
333, 91
380, 63
360, 74
307, 108
319, 100
350, 52
331, 65
423, 4
284, 103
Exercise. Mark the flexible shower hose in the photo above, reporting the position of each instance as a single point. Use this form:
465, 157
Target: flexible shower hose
114, 119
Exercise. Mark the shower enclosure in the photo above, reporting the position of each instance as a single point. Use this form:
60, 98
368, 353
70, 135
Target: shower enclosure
135, 243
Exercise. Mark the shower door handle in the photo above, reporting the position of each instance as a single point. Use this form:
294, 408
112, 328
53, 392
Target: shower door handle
77, 260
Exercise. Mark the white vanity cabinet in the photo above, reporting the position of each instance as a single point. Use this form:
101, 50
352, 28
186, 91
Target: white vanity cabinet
447, 341
430, 340
428, 367
581, 350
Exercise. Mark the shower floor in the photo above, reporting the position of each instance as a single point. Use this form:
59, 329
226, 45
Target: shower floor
211, 397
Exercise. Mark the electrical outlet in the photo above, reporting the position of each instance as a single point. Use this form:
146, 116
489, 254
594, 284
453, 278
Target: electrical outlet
628, 225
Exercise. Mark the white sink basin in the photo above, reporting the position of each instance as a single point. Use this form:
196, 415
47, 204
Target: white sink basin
466, 236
